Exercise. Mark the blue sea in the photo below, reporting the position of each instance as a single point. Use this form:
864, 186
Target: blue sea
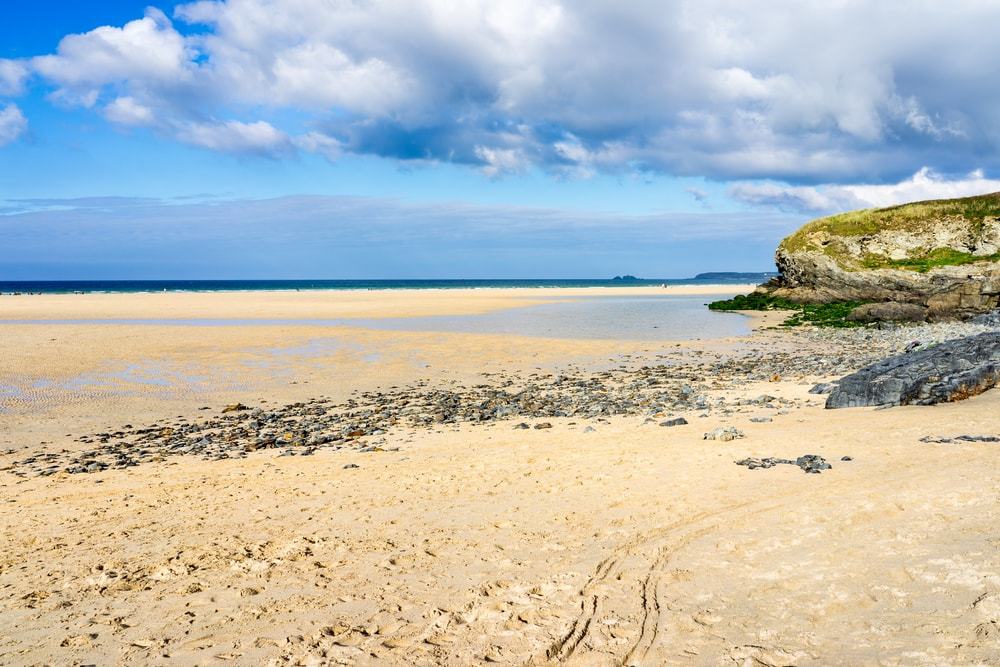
86, 286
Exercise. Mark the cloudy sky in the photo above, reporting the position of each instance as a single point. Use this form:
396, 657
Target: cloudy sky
441, 138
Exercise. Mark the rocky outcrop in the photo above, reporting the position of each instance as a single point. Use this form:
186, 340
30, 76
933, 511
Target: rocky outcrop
948, 291
951, 371
943, 256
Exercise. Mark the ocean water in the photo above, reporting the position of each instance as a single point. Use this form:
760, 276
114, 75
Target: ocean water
647, 317
71, 286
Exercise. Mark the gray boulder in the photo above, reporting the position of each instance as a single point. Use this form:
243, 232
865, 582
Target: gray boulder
889, 311
951, 371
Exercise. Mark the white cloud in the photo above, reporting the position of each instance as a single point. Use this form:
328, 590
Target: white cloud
317, 142
322, 76
13, 124
144, 52
237, 137
787, 90
499, 161
13, 74
127, 111
923, 185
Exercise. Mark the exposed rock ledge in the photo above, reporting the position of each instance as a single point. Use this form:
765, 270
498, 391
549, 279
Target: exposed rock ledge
951, 371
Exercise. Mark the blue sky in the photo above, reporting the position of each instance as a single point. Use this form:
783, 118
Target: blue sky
420, 138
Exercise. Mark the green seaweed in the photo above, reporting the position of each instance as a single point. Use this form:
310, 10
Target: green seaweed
817, 314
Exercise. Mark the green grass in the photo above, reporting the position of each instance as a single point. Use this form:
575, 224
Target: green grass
817, 314
906, 217
925, 262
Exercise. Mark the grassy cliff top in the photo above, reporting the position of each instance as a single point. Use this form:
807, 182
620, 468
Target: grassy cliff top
910, 217
822, 235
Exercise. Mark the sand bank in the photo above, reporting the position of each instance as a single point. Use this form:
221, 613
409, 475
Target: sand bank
318, 304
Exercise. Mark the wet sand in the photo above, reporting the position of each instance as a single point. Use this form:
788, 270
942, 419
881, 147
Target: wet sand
611, 541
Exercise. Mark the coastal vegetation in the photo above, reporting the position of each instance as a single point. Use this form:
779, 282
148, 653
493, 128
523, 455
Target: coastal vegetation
925, 261
817, 314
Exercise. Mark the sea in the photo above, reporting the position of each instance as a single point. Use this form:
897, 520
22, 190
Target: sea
124, 286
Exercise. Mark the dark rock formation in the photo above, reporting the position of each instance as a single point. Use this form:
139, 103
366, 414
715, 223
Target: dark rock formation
951, 371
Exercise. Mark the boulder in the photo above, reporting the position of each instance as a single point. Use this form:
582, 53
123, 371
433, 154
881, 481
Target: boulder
889, 311
951, 371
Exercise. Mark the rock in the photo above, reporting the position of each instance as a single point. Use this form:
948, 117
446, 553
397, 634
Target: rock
809, 463
889, 311
543, 425
961, 438
768, 462
931, 254
724, 434
951, 371
991, 319
234, 407
679, 421
823, 388
760, 420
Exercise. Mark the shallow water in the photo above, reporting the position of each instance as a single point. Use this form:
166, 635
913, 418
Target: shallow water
648, 317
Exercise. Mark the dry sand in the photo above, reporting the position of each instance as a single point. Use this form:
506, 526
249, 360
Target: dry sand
628, 544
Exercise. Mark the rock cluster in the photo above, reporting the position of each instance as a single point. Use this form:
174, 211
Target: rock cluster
809, 463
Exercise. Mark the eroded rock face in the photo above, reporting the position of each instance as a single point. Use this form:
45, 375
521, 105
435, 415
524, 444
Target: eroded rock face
945, 262
951, 371
947, 291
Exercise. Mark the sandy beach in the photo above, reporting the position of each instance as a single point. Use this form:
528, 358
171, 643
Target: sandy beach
595, 538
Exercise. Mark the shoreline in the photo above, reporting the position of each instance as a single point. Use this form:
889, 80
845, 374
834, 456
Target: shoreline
317, 304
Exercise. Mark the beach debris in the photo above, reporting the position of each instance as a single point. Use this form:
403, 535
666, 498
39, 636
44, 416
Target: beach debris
960, 438
234, 407
809, 463
678, 421
724, 434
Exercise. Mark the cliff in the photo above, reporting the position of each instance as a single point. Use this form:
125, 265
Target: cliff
942, 255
